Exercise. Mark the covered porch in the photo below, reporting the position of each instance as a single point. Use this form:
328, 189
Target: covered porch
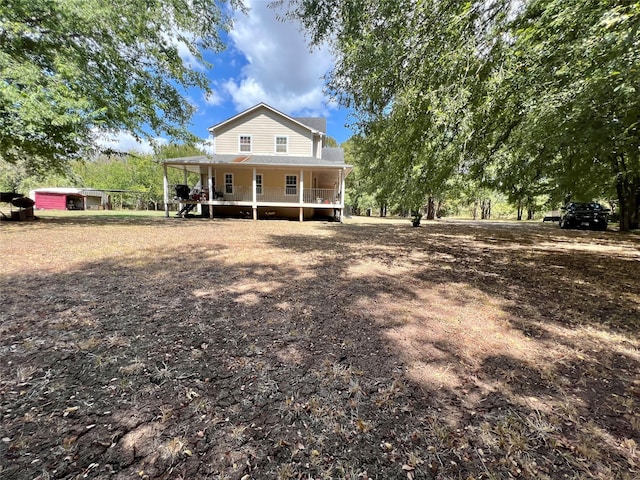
272, 191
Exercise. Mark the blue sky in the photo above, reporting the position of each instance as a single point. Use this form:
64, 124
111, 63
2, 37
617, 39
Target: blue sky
266, 60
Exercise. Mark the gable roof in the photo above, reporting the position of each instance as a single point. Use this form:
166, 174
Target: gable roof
315, 125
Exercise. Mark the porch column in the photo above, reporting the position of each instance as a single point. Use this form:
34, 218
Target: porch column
342, 176
165, 188
211, 192
301, 196
184, 181
254, 207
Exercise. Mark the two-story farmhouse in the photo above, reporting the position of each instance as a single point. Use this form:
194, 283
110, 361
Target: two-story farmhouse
266, 164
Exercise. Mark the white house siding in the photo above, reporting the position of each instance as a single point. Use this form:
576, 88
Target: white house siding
317, 147
263, 126
241, 176
275, 178
271, 178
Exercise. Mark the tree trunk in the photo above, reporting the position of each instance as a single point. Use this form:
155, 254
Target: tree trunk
486, 209
628, 199
530, 213
519, 210
531, 208
431, 209
383, 209
475, 209
628, 190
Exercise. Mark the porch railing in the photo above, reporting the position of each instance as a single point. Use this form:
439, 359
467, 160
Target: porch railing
274, 195
237, 194
320, 195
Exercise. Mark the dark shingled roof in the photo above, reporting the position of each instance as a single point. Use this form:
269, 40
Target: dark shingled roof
316, 123
333, 154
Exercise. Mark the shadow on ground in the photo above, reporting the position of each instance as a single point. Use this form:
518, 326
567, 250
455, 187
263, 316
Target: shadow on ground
332, 351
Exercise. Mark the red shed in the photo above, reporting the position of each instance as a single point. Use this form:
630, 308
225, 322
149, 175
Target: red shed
68, 198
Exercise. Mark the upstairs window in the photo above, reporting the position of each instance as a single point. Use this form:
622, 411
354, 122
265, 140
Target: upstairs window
290, 184
244, 143
282, 144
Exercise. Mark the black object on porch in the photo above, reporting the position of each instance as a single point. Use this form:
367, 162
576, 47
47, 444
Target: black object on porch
182, 192
186, 209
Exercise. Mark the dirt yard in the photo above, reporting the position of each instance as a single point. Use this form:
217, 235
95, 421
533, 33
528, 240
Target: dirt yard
159, 348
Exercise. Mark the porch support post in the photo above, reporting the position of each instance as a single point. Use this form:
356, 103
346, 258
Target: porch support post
301, 197
342, 175
165, 189
185, 175
211, 192
254, 206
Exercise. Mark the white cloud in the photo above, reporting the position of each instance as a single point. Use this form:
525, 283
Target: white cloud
125, 142
213, 98
281, 70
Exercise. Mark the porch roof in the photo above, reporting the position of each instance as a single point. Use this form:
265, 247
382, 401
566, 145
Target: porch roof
331, 161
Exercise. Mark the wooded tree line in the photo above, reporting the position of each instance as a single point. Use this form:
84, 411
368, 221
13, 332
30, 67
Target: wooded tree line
529, 98
132, 172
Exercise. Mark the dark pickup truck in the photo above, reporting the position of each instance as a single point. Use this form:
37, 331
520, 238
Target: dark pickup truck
589, 215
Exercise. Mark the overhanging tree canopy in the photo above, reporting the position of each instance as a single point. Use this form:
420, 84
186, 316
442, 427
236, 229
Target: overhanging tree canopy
575, 65
70, 67
544, 87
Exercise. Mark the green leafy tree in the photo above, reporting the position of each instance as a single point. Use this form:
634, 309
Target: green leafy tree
410, 70
544, 93
566, 101
177, 150
355, 187
17, 177
70, 68
11, 177
138, 173
331, 142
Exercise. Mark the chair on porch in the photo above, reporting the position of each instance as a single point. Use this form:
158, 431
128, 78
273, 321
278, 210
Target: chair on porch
182, 192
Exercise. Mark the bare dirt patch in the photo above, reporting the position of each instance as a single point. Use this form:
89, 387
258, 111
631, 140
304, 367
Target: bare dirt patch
152, 348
